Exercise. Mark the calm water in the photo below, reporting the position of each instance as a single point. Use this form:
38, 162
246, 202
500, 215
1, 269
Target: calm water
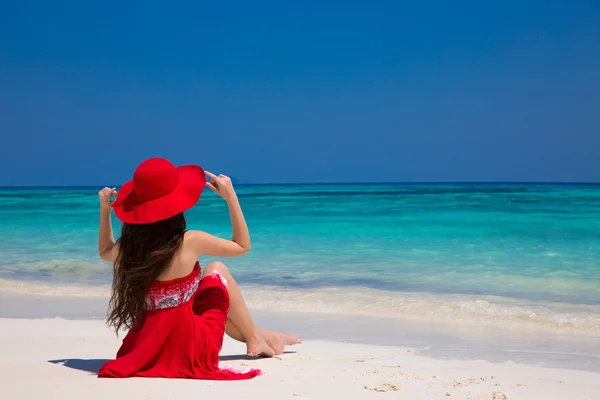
529, 242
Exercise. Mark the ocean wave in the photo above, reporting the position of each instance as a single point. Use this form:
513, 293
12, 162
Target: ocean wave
49, 289
447, 308
492, 311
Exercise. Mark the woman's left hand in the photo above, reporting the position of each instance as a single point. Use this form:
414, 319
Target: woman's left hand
105, 195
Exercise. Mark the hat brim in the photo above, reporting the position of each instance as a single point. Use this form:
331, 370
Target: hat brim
185, 196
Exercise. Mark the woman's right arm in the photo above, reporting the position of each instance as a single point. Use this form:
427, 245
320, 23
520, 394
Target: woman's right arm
210, 245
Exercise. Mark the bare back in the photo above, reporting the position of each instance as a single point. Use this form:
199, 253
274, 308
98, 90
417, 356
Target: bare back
183, 261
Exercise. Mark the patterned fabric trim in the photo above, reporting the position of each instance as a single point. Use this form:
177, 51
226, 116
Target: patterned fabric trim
168, 294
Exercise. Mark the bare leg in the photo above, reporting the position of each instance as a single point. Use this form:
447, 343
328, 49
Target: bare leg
240, 325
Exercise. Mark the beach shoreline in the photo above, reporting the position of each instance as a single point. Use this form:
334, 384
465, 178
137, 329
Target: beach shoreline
51, 334
516, 314
442, 339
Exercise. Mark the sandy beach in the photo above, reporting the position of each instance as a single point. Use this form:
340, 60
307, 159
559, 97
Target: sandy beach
58, 358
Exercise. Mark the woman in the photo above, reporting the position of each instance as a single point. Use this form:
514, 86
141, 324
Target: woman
176, 314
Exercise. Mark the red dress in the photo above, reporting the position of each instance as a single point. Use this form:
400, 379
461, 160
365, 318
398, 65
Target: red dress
182, 334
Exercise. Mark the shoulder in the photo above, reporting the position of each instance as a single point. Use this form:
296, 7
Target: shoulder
192, 240
194, 236
202, 243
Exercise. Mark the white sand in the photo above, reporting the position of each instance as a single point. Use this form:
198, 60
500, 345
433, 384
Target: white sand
30, 350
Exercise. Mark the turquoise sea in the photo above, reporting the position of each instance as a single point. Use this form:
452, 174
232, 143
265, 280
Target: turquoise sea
522, 252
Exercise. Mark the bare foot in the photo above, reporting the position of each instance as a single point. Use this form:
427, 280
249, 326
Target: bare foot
259, 347
290, 339
278, 340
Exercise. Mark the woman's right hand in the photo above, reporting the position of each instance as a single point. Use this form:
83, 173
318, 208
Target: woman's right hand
221, 185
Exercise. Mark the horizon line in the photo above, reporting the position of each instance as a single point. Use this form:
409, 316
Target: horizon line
573, 183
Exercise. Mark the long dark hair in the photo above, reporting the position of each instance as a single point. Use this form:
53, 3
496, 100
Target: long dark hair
145, 250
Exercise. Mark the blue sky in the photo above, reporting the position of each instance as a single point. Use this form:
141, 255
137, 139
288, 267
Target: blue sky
311, 91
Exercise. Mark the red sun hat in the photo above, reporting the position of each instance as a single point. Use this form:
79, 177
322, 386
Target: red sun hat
159, 191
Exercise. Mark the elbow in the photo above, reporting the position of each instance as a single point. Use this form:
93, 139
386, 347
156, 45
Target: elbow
245, 250
104, 256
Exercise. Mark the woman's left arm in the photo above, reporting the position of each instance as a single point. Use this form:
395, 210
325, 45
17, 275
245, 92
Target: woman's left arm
106, 240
